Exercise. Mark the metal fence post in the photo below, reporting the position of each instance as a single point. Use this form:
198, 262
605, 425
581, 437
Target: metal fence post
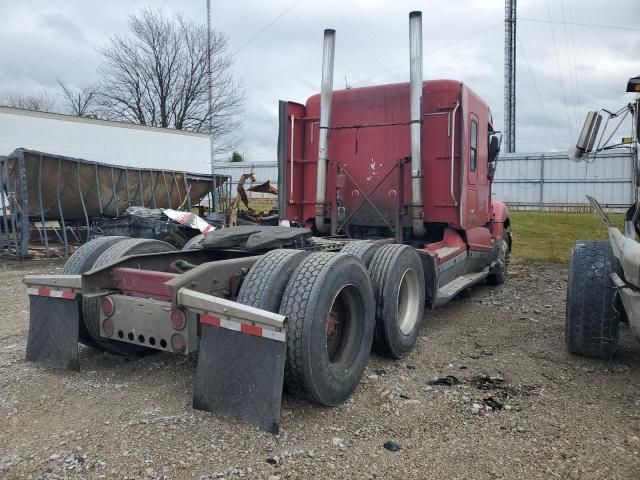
24, 199
541, 197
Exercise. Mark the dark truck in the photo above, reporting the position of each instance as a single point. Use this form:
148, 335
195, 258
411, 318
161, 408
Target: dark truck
604, 276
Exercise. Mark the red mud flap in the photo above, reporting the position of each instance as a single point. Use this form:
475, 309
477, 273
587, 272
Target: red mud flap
53, 327
241, 360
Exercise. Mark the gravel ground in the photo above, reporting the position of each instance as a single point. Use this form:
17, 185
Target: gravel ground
553, 415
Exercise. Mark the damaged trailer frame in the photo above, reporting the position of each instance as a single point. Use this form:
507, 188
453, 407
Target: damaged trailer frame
38, 188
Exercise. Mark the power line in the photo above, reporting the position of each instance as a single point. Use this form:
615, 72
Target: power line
555, 48
442, 47
102, 34
535, 86
566, 46
345, 18
596, 25
575, 62
372, 30
37, 44
307, 29
266, 27
44, 51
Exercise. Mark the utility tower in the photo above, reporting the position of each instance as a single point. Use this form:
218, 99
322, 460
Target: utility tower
510, 75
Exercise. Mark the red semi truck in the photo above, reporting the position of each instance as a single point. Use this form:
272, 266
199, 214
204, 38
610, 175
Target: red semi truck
388, 193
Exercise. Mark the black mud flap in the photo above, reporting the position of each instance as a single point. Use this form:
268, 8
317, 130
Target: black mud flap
53, 332
240, 375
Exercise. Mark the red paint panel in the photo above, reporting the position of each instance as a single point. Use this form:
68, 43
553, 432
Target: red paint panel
251, 330
143, 283
479, 239
66, 294
210, 320
452, 242
44, 292
299, 194
500, 212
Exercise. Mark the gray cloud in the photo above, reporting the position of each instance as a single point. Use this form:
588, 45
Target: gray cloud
462, 40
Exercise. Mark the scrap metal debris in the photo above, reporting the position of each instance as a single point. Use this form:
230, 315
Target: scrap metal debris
392, 446
449, 380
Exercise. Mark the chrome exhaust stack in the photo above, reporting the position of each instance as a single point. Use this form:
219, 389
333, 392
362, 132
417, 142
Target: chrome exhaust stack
415, 52
326, 93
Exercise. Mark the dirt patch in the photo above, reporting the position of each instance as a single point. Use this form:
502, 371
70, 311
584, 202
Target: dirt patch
521, 406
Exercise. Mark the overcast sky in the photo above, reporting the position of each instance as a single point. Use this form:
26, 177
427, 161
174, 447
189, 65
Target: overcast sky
278, 52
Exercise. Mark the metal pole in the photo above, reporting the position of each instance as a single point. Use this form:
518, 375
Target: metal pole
541, 196
140, 187
98, 189
153, 188
187, 189
326, 96
114, 193
2, 200
13, 207
510, 75
415, 99
64, 227
166, 186
210, 104
44, 225
126, 176
84, 207
175, 180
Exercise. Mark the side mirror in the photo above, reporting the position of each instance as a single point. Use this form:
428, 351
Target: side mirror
633, 85
494, 150
588, 134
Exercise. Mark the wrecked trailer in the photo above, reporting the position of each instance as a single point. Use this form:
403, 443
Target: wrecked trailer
47, 188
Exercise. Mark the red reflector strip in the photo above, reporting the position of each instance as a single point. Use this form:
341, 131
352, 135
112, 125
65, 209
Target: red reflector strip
210, 320
46, 292
242, 327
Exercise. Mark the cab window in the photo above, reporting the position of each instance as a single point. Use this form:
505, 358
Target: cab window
473, 151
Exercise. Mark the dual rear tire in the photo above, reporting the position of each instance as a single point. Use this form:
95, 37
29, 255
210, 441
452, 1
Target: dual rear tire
328, 301
100, 253
336, 310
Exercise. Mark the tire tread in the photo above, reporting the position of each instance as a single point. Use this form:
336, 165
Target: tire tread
592, 321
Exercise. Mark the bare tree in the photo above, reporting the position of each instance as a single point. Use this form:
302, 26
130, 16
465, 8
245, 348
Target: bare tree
81, 102
157, 75
42, 101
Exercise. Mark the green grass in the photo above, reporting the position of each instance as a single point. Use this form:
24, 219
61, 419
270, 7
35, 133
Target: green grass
549, 236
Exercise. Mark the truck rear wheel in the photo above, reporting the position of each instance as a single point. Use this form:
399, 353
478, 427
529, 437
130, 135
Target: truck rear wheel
82, 261
264, 285
592, 320
91, 306
362, 250
399, 287
330, 309
498, 273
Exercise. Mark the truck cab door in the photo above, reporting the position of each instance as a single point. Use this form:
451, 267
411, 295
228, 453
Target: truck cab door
470, 206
